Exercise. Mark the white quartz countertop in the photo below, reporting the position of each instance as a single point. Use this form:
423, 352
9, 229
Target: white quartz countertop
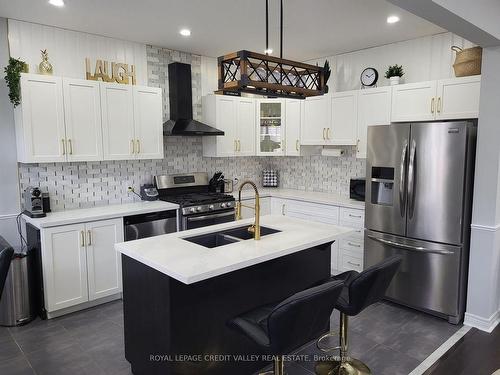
301, 195
188, 262
57, 218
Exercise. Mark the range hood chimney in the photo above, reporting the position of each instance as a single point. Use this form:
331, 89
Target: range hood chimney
181, 105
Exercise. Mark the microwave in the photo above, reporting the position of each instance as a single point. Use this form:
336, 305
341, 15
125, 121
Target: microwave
357, 189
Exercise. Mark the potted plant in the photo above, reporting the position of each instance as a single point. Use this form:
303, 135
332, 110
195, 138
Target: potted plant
394, 74
13, 77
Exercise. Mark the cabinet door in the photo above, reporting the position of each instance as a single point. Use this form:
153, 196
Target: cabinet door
42, 118
458, 98
246, 126
148, 122
414, 102
64, 266
103, 262
374, 108
117, 104
293, 108
344, 115
270, 127
316, 120
82, 112
226, 121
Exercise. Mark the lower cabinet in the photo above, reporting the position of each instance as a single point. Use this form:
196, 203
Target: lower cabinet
347, 252
80, 263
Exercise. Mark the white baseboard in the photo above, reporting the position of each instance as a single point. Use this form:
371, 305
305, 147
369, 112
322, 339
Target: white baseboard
487, 325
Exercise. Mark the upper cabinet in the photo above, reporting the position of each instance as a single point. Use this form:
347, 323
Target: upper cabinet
374, 108
455, 98
40, 130
63, 119
293, 119
271, 125
316, 120
236, 117
344, 118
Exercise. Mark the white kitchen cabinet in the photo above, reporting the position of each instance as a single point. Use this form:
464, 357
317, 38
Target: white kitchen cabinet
80, 263
245, 126
293, 117
117, 102
374, 108
103, 262
316, 120
40, 130
148, 122
236, 117
414, 102
270, 127
64, 266
82, 113
344, 118
458, 98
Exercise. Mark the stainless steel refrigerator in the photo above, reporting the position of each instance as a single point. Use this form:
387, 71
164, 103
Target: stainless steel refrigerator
418, 205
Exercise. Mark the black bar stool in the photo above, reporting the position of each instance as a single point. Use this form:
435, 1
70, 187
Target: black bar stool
360, 291
281, 328
6, 252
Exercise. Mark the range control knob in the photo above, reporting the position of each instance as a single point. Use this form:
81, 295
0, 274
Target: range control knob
198, 208
211, 207
223, 205
229, 204
192, 209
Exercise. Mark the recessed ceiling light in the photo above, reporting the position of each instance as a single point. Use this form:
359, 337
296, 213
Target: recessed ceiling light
57, 3
392, 19
268, 51
185, 32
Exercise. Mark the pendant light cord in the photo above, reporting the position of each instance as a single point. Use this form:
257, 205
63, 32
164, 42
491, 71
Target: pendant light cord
281, 30
267, 27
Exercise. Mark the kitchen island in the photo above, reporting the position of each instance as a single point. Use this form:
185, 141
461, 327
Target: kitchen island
181, 289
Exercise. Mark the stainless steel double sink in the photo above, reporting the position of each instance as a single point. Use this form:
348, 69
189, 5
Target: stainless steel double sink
228, 236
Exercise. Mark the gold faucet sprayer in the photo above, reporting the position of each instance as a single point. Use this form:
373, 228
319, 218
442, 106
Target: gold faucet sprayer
255, 228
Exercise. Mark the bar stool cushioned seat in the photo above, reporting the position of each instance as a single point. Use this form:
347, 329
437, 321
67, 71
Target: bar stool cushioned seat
283, 327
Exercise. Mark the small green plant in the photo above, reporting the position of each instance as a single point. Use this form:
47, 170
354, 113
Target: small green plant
13, 78
394, 71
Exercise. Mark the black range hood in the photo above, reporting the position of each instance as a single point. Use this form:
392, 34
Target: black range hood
181, 105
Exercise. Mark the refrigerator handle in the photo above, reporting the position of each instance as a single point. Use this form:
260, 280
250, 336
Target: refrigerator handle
411, 179
409, 247
402, 179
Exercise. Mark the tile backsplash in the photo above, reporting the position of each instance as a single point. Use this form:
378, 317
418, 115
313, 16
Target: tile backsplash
89, 184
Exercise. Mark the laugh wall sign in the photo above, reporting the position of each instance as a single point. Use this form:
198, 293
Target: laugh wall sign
110, 72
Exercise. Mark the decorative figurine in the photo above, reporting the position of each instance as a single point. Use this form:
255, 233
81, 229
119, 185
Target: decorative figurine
45, 67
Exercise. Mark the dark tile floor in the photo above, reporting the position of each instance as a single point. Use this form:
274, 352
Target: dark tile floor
392, 340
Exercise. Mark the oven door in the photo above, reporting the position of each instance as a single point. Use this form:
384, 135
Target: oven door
206, 219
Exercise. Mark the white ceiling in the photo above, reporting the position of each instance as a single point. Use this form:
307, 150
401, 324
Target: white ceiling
312, 28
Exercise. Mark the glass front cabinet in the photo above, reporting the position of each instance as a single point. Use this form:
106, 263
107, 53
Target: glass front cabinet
271, 124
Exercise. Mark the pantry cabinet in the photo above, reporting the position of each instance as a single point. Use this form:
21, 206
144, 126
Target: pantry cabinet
65, 119
80, 263
374, 108
236, 117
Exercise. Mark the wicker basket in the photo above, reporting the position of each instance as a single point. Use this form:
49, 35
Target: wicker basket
468, 61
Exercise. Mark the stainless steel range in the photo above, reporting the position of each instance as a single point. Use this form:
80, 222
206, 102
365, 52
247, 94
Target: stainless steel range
198, 206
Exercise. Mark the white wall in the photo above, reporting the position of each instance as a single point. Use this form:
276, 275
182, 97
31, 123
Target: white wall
68, 49
9, 197
483, 304
423, 59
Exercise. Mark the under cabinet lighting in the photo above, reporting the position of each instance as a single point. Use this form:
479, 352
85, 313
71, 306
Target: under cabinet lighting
57, 3
185, 32
392, 19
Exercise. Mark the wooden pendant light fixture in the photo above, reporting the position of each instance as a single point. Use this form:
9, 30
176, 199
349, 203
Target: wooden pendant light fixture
262, 74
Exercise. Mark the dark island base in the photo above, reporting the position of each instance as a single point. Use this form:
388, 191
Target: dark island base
166, 319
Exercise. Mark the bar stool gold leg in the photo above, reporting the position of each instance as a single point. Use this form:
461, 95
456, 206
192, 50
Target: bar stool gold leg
344, 365
278, 367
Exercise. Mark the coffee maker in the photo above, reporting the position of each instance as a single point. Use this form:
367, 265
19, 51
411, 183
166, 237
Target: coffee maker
33, 202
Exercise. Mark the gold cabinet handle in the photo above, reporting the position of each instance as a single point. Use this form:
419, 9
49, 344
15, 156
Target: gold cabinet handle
63, 147
82, 238
357, 145
297, 145
328, 130
132, 146
239, 145
283, 209
432, 104
89, 237
324, 133
235, 145
70, 147
439, 105
138, 146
